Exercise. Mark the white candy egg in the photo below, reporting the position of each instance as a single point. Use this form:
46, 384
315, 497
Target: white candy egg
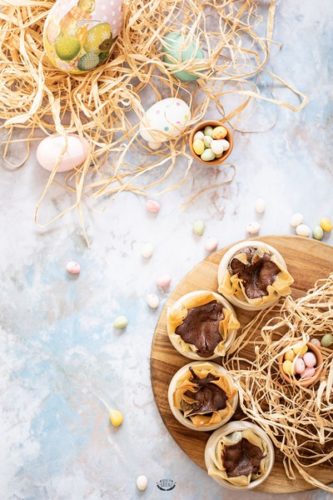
296, 219
164, 120
152, 300
141, 483
303, 230
147, 250
211, 244
253, 228
50, 151
260, 206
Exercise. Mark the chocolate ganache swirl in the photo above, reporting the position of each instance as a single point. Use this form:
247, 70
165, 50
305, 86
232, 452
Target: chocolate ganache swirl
257, 274
201, 327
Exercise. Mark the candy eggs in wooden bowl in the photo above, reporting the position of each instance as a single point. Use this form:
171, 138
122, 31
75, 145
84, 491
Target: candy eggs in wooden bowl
207, 137
291, 364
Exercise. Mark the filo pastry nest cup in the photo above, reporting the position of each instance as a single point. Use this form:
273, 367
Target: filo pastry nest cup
202, 396
205, 336
267, 277
239, 455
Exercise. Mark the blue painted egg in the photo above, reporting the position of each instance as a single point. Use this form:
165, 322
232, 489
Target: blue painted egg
180, 48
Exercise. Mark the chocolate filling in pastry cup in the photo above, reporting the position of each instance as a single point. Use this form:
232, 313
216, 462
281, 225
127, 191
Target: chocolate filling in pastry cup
202, 396
239, 456
202, 325
253, 275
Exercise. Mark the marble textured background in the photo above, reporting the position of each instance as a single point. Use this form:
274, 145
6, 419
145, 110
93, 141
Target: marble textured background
60, 359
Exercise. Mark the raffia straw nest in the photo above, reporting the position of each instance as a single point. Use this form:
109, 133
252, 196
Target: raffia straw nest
105, 105
298, 420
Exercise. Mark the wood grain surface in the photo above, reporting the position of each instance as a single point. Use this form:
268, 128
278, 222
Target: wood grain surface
307, 260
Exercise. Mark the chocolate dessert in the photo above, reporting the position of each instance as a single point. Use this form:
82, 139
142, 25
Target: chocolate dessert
201, 327
207, 397
257, 274
242, 458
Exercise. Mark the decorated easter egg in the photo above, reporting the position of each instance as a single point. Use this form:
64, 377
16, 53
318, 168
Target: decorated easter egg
180, 49
79, 34
53, 149
164, 120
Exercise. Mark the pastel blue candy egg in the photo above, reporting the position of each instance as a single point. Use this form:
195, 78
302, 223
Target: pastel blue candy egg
180, 48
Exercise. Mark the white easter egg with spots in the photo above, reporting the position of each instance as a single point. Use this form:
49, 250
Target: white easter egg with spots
164, 120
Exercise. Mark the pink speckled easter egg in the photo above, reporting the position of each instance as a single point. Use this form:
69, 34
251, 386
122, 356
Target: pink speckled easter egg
110, 11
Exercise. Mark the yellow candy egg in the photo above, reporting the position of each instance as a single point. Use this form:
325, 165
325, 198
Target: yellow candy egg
288, 367
326, 224
198, 147
219, 132
79, 34
290, 355
116, 418
300, 348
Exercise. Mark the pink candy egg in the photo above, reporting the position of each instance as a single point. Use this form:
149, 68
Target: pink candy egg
310, 359
315, 342
50, 149
299, 366
308, 373
211, 244
73, 267
153, 206
163, 282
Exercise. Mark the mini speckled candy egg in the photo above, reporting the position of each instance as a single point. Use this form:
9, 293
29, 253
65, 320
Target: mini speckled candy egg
181, 49
164, 120
303, 230
299, 366
308, 373
260, 206
300, 348
79, 34
309, 359
290, 355
327, 340
318, 233
288, 367
50, 149
296, 219
153, 206
73, 267
326, 224
141, 483
253, 228
163, 282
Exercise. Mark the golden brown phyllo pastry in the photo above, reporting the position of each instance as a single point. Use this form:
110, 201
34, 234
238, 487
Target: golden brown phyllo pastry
202, 325
205, 395
253, 275
239, 458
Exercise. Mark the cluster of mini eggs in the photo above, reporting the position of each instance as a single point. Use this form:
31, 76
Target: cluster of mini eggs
300, 361
210, 143
301, 229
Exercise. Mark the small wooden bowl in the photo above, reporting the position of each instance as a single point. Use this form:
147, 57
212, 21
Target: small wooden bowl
228, 137
307, 381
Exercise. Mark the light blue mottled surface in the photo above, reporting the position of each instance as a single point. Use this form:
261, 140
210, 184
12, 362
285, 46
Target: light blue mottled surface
59, 356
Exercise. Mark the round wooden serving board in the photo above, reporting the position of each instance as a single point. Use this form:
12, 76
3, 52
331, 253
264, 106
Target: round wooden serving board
307, 260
